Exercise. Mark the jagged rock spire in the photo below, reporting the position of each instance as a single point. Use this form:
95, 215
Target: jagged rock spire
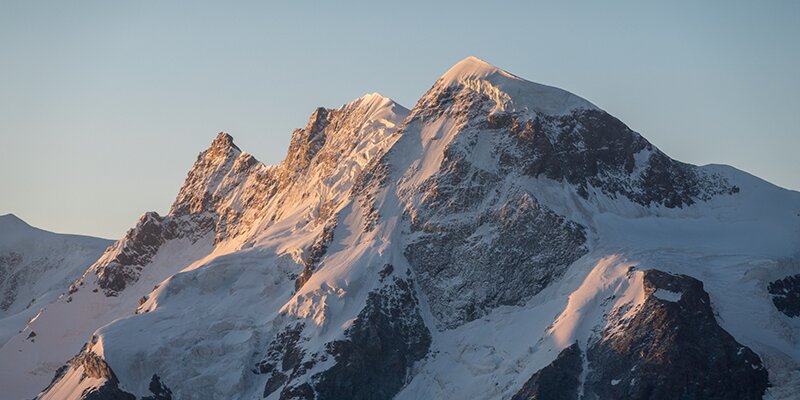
206, 174
306, 142
223, 141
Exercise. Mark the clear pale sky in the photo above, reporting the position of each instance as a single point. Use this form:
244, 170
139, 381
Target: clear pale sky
105, 105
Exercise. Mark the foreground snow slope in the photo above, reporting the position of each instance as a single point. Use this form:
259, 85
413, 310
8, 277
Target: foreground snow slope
503, 239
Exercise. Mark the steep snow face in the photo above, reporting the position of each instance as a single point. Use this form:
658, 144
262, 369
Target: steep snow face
35, 267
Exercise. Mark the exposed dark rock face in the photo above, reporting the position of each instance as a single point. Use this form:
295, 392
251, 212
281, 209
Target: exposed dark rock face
371, 362
135, 250
315, 253
592, 149
108, 391
559, 380
124, 261
367, 183
501, 256
306, 143
786, 295
9, 278
383, 343
283, 359
93, 365
143, 241
303, 391
158, 389
672, 349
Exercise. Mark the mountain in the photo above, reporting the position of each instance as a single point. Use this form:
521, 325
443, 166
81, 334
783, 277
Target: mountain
36, 266
502, 239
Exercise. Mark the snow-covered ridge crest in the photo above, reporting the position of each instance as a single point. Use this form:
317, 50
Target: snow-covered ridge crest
511, 92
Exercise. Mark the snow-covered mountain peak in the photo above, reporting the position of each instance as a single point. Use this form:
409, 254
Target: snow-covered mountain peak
377, 106
224, 141
373, 98
510, 92
473, 68
399, 254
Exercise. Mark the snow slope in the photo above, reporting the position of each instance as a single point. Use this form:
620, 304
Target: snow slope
37, 266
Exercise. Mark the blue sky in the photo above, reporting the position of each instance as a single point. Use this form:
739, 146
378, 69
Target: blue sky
105, 105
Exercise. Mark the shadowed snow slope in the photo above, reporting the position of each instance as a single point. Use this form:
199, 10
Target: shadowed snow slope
502, 239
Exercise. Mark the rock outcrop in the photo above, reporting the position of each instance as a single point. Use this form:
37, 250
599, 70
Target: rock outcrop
786, 295
559, 380
372, 361
672, 347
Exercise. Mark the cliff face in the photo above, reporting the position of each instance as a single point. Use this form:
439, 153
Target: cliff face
672, 347
666, 345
